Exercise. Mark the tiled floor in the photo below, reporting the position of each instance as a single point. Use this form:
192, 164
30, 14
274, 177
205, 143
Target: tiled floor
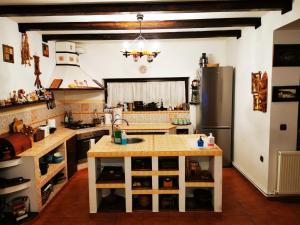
242, 204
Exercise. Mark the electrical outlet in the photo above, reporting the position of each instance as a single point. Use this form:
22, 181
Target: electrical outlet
261, 158
283, 127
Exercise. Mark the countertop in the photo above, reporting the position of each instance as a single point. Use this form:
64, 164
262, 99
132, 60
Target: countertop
148, 126
62, 134
154, 145
134, 127
47, 144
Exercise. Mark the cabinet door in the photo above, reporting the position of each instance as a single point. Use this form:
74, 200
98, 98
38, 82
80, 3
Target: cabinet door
71, 156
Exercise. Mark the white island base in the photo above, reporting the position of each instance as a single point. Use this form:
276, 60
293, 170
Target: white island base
180, 147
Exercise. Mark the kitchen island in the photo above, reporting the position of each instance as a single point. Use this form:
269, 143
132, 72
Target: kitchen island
155, 148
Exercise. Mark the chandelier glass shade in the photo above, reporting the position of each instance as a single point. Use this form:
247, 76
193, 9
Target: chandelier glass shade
138, 49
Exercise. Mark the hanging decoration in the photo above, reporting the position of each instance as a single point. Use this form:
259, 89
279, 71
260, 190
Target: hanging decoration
37, 71
260, 91
25, 53
138, 50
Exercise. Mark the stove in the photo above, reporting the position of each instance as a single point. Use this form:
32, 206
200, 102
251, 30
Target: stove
78, 125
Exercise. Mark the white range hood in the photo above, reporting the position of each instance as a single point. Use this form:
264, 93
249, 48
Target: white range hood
68, 68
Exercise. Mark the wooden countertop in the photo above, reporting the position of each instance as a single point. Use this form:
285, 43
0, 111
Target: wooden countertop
62, 134
148, 126
49, 143
133, 127
154, 145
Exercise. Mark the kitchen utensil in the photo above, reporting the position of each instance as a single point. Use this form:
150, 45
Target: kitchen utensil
167, 183
13, 145
112, 173
38, 135
51, 123
46, 130
108, 118
130, 106
138, 105
43, 167
145, 201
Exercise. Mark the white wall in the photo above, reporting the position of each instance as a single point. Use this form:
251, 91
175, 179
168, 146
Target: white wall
14, 76
178, 58
252, 53
283, 112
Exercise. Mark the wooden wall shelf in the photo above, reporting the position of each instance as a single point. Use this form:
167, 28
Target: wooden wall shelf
77, 89
21, 105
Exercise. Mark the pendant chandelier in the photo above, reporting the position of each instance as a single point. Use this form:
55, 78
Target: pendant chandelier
137, 49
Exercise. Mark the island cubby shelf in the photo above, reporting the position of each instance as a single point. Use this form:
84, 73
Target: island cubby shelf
167, 181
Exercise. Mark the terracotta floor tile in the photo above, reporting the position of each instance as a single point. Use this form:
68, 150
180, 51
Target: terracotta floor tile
269, 219
243, 204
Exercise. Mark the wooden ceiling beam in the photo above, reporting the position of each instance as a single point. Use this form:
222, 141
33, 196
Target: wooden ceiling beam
131, 36
170, 24
134, 7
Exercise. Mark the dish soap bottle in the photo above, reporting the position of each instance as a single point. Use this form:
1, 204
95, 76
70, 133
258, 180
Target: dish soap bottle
117, 135
210, 140
123, 138
200, 142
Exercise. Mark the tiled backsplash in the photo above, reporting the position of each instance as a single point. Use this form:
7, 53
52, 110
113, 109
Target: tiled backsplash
34, 115
83, 110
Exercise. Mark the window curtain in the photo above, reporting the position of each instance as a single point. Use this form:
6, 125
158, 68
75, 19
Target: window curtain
172, 93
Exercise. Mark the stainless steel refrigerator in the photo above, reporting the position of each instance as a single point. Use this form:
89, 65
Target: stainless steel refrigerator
216, 107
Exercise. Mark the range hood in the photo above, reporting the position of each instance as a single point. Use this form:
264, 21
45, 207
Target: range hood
68, 68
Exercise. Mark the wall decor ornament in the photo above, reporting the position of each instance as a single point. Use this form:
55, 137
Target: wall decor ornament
45, 48
25, 53
8, 54
37, 71
259, 89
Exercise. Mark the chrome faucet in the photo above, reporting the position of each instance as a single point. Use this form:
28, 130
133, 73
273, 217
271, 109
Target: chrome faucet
113, 124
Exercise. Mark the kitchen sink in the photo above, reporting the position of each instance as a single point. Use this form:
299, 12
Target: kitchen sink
134, 140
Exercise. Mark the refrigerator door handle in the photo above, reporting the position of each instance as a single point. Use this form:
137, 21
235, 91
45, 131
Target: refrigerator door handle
216, 127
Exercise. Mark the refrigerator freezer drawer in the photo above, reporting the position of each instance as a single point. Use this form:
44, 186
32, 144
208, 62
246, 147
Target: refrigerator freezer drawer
223, 140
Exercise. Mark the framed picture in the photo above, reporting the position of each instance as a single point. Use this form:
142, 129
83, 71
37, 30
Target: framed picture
8, 54
285, 94
286, 55
45, 50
